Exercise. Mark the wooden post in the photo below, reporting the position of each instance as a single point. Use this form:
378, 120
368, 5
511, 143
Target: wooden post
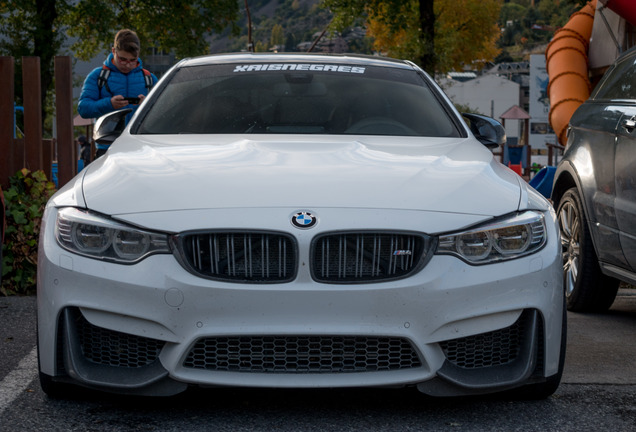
553, 153
66, 149
7, 69
32, 92
48, 149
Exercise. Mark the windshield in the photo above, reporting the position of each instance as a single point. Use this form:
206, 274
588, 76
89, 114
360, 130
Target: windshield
299, 99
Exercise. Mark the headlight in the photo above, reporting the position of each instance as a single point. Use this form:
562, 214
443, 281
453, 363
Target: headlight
96, 236
513, 237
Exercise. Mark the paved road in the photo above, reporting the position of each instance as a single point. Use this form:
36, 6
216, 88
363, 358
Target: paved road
602, 347
598, 393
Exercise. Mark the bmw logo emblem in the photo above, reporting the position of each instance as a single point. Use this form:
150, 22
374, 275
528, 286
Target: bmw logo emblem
303, 219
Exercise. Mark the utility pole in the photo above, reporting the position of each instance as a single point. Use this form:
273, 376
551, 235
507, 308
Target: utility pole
250, 45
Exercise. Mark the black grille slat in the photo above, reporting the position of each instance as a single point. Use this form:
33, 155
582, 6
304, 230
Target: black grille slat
302, 354
112, 348
239, 256
494, 348
367, 256
265, 257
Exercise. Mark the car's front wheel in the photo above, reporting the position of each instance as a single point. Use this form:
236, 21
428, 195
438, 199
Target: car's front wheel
587, 289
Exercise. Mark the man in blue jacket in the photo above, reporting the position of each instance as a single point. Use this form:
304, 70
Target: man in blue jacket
121, 82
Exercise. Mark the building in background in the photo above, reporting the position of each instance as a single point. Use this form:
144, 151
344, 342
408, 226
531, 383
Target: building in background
488, 94
541, 134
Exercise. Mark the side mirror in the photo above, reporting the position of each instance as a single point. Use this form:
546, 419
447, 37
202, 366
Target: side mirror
487, 130
109, 126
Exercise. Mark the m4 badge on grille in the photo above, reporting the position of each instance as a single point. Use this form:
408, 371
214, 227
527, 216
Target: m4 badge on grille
304, 219
402, 252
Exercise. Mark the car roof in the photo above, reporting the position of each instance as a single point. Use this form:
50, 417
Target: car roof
358, 59
629, 52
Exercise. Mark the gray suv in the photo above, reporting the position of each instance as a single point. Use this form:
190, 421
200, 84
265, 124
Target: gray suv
594, 191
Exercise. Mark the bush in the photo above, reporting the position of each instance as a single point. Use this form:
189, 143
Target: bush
24, 200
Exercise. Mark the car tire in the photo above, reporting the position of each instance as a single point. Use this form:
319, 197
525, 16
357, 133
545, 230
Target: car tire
587, 289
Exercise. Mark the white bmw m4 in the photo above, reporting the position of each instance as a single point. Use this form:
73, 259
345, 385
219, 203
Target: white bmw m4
299, 221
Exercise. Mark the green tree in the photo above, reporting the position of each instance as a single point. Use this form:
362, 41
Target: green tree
25, 200
260, 46
41, 27
511, 12
278, 35
415, 17
529, 25
32, 28
290, 42
179, 26
299, 19
557, 12
439, 35
466, 33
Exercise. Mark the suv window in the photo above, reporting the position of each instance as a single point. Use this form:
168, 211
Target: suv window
620, 82
299, 99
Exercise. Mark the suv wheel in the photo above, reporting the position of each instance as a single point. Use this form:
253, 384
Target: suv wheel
587, 289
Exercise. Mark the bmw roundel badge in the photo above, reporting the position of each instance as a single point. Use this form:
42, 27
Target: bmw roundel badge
303, 219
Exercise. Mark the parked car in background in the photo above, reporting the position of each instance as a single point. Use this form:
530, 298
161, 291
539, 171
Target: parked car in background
595, 191
277, 220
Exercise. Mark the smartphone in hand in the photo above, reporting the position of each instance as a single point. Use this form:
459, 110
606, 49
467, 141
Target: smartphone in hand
133, 100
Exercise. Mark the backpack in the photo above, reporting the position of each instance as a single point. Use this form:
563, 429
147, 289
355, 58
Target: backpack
102, 80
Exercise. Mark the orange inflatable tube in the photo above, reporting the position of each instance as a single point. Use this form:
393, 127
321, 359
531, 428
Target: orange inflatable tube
566, 64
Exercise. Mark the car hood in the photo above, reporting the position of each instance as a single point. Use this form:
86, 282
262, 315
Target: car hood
163, 173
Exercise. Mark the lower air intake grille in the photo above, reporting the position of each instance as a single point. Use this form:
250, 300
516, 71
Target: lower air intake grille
240, 257
112, 348
488, 349
368, 256
302, 354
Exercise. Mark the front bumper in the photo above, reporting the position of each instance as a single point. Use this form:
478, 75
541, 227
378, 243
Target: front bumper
467, 329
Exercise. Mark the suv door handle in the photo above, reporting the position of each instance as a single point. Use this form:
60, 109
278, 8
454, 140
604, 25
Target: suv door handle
629, 124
